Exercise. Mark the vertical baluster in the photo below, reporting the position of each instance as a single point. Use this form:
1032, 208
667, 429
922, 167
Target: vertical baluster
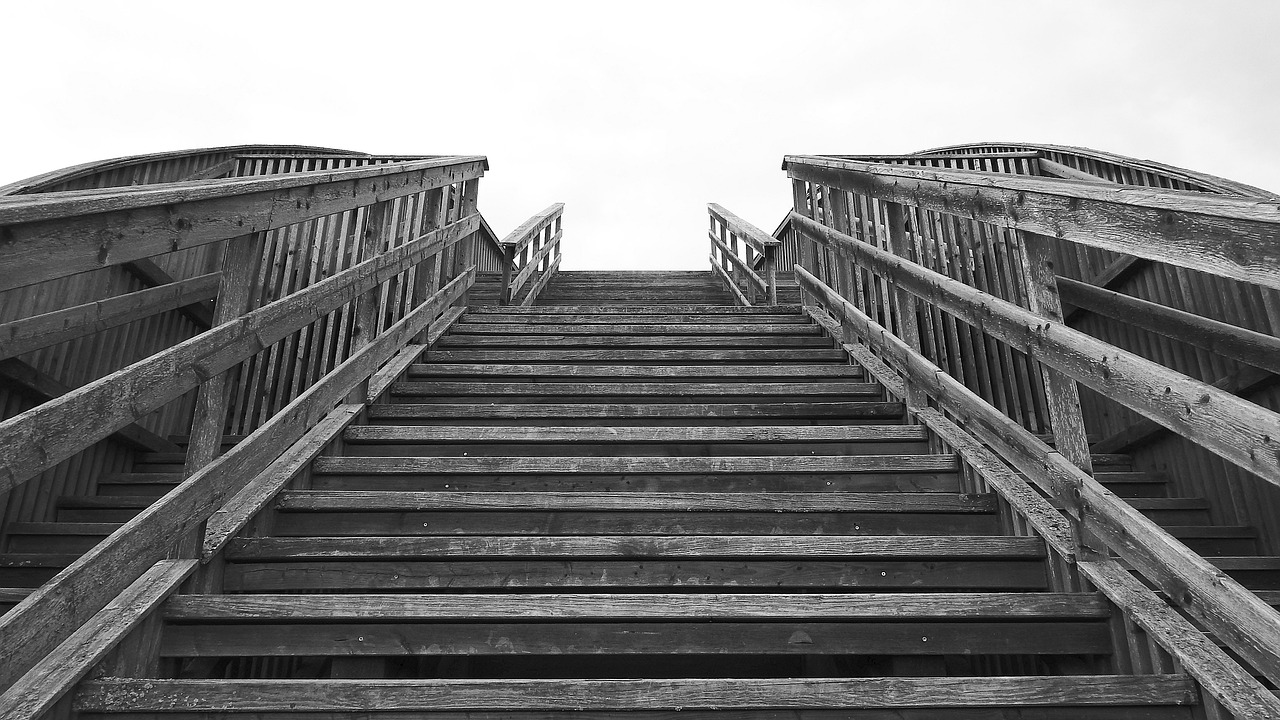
904, 303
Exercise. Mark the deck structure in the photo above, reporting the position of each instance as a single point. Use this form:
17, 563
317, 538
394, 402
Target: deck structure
987, 431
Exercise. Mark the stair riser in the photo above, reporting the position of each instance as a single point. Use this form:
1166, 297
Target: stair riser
871, 482
632, 449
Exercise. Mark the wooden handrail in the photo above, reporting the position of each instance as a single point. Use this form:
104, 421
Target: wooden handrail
57, 234
725, 231
1240, 618
541, 234
1227, 236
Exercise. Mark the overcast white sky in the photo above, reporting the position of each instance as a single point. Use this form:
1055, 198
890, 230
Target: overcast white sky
636, 115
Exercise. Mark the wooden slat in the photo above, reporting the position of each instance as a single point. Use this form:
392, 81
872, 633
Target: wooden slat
541, 283
146, 270
56, 674
648, 606
639, 410
612, 329
1225, 236
634, 355
729, 283
121, 694
750, 234
58, 234
604, 546
783, 502
521, 236
739, 263
651, 372
34, 441
391, 434
639, 464
40, 331
1235, 429
40, 622
682, 389
531, 267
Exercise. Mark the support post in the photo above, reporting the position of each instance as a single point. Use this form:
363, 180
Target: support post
366, 306
904, 303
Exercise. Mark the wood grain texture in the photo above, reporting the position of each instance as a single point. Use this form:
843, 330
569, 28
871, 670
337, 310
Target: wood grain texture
119, 694
639, 464
629, 434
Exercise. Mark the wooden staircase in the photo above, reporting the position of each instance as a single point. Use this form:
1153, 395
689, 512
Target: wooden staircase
602, 507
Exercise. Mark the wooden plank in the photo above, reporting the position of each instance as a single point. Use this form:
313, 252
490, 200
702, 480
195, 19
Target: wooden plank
639, 464
634, 355
1235, 429
401, 363
40, 331
741, 265
633, 309
233, 516
799, 341
759, 240
1254, 348
1057, 169
669, 389
37, 439
631, 638
394, 434
670, 372
33, 628
527, 411
645, 606
57, 673
532, 266
1246, 623
146, 270
29, 381
58, 234
605, 546
127, 694
522, 235
1225, 236
782, 502
685, 328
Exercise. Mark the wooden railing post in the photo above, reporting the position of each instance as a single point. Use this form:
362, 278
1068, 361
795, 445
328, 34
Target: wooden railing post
904, 303
771, 273
1061, 391
239, 261
426, 278
466, 253
509, 258
366, 306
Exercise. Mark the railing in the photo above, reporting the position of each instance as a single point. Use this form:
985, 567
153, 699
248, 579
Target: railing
748, 270
944, 279
532, 253
325, 277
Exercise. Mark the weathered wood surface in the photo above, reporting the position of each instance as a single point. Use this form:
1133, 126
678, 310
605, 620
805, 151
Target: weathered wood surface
41, 621
28, 334
625, 434
651, 372
655, 411
1235, 429
603, 546
50, 236
638, 464
120, 694
782, 502
398, 365
56, 674
727, 279
649, 606
146, 270
634, 355
1247, 624
645, 389
468, 329
1225, 236
43, 436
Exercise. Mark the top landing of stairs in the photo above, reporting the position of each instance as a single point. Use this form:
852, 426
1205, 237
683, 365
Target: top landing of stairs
616, 287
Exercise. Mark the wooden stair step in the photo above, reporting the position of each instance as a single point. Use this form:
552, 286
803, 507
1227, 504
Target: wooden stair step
612, 546
689, 391
546, 465
444, 440
1173, 511
101, 509
677, 502
668, 373
634, 412
1134, 484
550, 317
644, 606
32, 569
610, 330
568, 575
56, 537
11, 596
1217, 540
694, 309
1252, 571
622, 342
560, 356
767, 695
149, 484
